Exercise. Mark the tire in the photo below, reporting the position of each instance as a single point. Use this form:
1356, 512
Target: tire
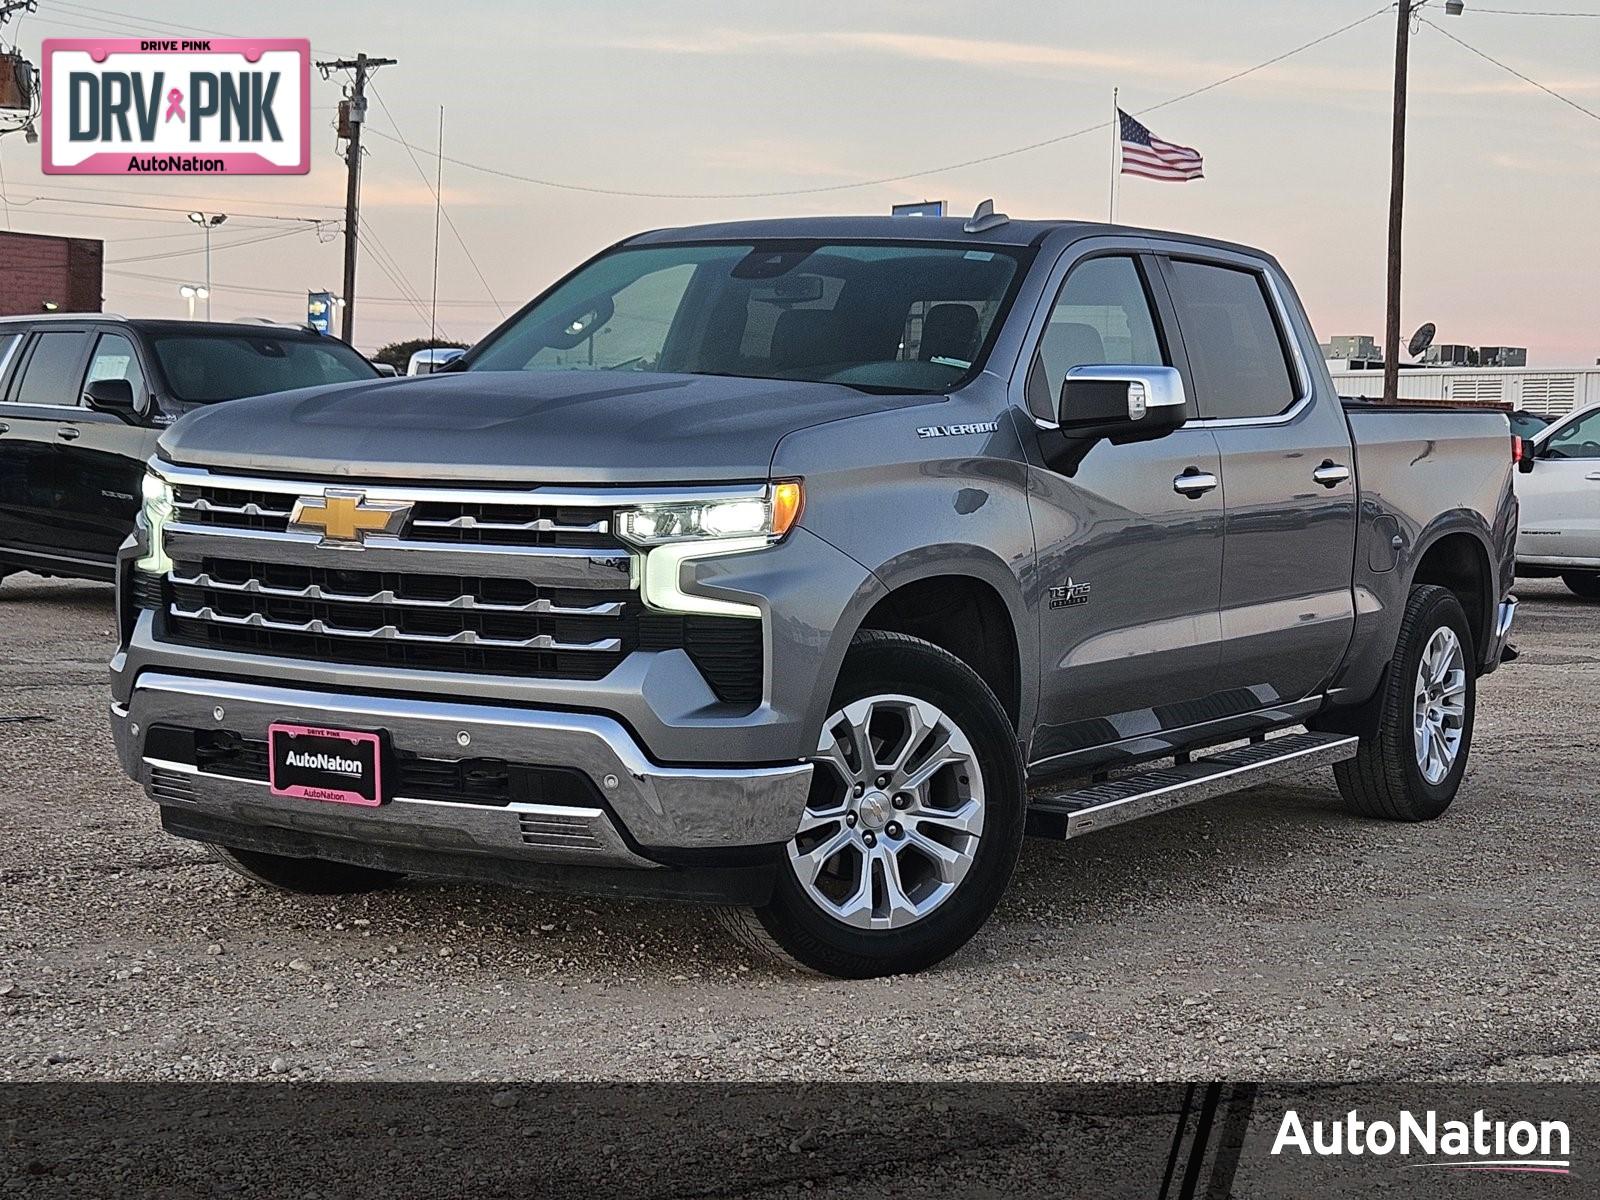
304, 876
918, 702
1583, 583
1386, 778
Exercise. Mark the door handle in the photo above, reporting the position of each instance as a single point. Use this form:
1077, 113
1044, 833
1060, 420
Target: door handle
1194, 483
68, 433
1330, 474
1591, 475
4, 428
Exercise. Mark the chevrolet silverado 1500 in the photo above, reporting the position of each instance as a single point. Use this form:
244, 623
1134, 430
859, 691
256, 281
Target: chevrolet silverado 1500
801, 566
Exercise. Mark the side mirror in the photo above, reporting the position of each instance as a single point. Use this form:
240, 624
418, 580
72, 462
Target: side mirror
113, 396
388, 370
1121, 403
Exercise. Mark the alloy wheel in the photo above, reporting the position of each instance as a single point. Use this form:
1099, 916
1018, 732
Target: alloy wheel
1440, 705
895, 814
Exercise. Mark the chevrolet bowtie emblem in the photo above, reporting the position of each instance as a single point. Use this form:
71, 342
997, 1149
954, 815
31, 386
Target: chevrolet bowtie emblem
345, 518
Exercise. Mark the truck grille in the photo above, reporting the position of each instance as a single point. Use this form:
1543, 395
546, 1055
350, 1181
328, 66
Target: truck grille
467, 523
474, 584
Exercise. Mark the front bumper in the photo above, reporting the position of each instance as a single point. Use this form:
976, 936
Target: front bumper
646, 817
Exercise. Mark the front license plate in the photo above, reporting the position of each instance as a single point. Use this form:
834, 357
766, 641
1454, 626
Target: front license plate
341, 766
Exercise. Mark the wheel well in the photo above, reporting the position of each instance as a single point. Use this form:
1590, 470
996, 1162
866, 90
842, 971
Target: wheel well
965, 617
1458, 563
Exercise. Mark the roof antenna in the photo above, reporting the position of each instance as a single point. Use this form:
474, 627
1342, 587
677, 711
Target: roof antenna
983, 218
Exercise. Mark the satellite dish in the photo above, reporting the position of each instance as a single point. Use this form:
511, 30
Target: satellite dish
1421, 339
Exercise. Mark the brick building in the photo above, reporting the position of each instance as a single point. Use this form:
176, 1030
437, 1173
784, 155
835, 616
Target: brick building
39, 273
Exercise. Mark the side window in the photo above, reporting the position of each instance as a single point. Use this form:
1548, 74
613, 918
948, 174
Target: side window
50, 376
115, 358
1101, 316
1580, 439
1237, 353
8, 346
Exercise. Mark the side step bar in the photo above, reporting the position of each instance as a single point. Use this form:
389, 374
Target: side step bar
1069, 813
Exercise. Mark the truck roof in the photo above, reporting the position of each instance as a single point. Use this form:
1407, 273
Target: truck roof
909, 229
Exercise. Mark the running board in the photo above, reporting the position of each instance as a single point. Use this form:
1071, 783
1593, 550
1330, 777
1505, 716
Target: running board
1072, 813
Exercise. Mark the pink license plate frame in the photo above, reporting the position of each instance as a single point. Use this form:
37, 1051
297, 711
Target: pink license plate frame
365, 749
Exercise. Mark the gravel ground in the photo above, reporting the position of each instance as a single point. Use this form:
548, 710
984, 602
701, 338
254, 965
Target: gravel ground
1267, 935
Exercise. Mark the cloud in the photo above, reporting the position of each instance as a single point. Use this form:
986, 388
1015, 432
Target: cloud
1370, 77
995, 55
382, 193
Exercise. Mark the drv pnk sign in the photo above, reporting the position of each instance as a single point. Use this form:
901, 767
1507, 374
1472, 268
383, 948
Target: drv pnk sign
168, 106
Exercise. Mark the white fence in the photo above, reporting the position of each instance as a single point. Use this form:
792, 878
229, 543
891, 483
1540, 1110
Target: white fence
1548, 392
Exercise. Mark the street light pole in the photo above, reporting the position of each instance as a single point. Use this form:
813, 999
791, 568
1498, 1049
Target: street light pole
1397, 188
207, 223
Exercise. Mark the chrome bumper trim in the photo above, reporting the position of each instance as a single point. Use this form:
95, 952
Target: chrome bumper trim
655, 806
534, 832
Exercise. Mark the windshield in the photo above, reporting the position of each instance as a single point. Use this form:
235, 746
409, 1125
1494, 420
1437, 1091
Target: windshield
205, 367
897, 316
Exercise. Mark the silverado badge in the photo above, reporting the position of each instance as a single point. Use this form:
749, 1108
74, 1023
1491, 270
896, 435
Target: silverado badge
345, 517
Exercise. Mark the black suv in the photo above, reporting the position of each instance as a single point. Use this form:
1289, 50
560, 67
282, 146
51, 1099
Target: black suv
82, 399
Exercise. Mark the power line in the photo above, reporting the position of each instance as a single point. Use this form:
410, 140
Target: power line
275, 235
437, 197
842, 187
168, 209
1522, 12
1510, 70
265, 291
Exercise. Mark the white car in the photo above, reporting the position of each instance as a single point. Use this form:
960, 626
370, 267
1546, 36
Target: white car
426, 362
1559, 491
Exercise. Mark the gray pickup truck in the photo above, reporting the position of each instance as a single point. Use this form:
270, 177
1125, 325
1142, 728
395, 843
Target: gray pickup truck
801, 566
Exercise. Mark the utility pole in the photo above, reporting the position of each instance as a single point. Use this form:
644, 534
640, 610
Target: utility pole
361, 66
1397, 188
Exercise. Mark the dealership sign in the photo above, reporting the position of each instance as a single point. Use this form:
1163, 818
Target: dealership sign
210, 106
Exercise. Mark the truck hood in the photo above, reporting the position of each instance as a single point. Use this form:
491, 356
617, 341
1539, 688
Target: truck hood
517, 427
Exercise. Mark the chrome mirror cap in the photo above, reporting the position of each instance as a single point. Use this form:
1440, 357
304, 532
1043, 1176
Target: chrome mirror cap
1148, 387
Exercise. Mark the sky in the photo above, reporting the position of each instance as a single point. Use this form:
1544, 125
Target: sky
1502, 239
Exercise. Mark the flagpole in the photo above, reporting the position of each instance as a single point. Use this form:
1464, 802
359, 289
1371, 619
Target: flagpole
1116, 147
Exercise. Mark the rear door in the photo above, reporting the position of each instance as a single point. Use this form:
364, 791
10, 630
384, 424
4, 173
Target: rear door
102, 456
39, 403
1560, 497
1288, 476
1129, 568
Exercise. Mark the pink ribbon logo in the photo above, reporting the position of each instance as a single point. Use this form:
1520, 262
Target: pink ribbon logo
175, 105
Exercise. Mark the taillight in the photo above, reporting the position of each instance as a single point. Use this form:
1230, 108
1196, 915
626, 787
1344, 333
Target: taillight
1516, 448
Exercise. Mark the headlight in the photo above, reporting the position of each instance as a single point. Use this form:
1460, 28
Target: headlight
770, 516
156, 511
672, 534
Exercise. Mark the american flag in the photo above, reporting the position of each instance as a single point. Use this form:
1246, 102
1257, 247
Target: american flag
1143, 153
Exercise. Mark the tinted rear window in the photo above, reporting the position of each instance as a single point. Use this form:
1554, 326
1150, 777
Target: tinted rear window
52, 372
206, 367
1236, 351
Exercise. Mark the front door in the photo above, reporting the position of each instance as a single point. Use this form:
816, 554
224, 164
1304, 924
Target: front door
1560, 497
102, 458
1129, 567
1288, 610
